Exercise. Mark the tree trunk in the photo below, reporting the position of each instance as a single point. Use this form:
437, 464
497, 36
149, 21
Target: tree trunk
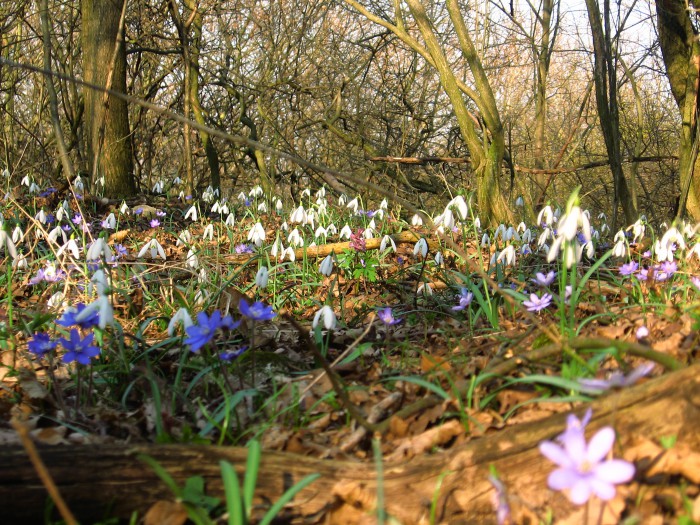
95, 478
108, 134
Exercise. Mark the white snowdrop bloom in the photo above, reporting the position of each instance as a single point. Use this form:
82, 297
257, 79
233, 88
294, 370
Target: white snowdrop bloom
110, 222
78, 183
284, 227
604, 228
192, 260
311, 218
439, 259
192, 213
100, 281
425, 289
544, 236
181, 195
295, 239
458, 203
203, 276
230, 220
56, 300
20, 263
342, 200
257, 234
421, 248
525, 249
26, 181
527, 236
321, 192
507, 256
570, 222
345, 232
326, 267
446, 219
323, 209
595, 235
277, 248
6, 173
695, 250
325, 314
298, 216
671, 240
123, 209
546, 216
387, 241
158, 187
184, 238
34, 188
288, 253
602, 217
256, 191
477, 223
55, 233
554, 249
216, 208
369, 233
379, 214
208, 232
182, 316
485, 240
152, 248
201, 297
331, 229
99, 249
589, 249
103, 306
416, 221
177, 181
353, 205
41, 216
262, 277
242, 197
511, 233
278, 206
262, 207
520, 202
521, 227
17, 235
320, 232
71, 247
620, 246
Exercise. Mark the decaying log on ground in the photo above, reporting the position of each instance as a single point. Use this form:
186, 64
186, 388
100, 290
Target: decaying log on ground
110, 480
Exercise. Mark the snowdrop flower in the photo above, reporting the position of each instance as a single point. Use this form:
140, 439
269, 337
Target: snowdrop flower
123, 209
507, 256
485, 240
331, 229
262, 277
284, 226
320, 232
71, 246
342, 200
203, 276
242, 197
387, 240
256, 191
230, 220
257, 234
520, 202
41, 216
54, 234
209, 194
289, 254
6, 173
216, 208
295, 239
326, 267
383, 205
500, 232
665, 247
439, 259
278, 206
321, 192
99, 280
511, 233
695, 250
620, 247
426, 289
346, 232
78, 183
20, 263
542, 239
458, 203
192, 213
262, 207
546, 216
445, 221
353, 205
298, 216
192, 260
421, 248
153, 248
570, 222
527, 236
101, 305
208, 232
184, 238
34, 188
306, 193
368, 233
99, 249
17, 235
277, 247
158, 187
638, 230
25, 181
416, 221
325, 314
554, 249
110, 222
56, 300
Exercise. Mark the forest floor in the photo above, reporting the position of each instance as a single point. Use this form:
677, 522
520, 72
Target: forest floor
436, 343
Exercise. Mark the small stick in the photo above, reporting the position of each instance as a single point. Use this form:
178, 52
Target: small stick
43, 473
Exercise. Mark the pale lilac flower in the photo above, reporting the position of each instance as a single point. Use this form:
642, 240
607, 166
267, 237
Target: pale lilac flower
629, 268
582, 468
616, 379
500, 500
544, 280
386, 315
535, 304
642, 332
465, 298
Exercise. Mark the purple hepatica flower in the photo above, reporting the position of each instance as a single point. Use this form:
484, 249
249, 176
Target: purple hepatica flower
386, 315
120, 250
41, 344
616, 380
257, 311
535, 304
231, 355
544, 280
138, 211
629, 268
50, 218
642, 275
154, 223
80, 350
206, 327
69, 315
47, 192
77, 219
160, 213
583, 469
465, 299
665, 270
243, 248
50, 275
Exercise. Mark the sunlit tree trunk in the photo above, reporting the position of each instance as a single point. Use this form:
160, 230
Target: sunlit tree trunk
678, 39
107, 134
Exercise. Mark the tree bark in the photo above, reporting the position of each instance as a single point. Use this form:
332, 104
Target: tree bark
100, 28
94, 478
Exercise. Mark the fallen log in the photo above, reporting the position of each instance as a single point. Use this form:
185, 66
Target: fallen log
109, 480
